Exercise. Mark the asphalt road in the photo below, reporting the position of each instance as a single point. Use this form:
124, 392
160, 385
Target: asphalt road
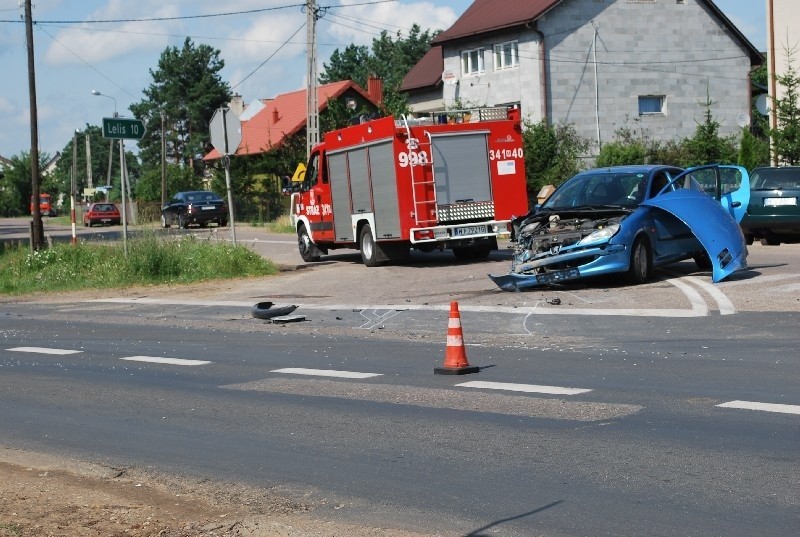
664, 409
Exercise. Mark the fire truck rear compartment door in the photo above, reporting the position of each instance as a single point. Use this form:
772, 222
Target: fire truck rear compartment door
384, 191
359, 181
461, 168
340, 194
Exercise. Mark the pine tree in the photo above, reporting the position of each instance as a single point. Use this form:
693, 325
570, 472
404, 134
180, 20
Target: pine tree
786, 137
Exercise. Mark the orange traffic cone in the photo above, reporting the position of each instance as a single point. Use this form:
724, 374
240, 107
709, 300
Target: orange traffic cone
455, 356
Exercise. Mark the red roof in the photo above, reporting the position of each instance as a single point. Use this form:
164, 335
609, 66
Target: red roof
427, 72
284, 116
489, 15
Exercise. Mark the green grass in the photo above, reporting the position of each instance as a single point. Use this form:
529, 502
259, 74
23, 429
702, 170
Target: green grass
151, 260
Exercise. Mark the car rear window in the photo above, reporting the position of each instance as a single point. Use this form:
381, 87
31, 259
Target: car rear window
776, 178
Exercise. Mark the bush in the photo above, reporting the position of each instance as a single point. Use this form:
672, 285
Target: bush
150, 260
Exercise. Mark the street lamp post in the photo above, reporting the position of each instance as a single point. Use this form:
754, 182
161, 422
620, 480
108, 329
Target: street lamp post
95, 92
122, 169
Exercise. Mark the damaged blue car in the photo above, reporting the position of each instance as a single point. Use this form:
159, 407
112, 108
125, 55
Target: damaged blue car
628, 220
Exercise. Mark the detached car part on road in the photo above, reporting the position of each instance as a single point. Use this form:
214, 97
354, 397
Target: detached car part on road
196, 207
629, 220
773, 214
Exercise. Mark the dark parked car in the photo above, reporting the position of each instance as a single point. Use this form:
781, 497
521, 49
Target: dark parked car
628, 220
197, 207
101, 213
773, 214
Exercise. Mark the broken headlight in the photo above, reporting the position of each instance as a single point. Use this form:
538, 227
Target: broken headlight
600, 235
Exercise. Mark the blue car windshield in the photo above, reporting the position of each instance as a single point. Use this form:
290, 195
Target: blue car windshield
625, 189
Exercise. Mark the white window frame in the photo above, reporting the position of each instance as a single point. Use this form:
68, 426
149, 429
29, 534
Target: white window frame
500, 54
659, 100
468, 57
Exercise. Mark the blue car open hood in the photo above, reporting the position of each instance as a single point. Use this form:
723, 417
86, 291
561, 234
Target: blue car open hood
713, 226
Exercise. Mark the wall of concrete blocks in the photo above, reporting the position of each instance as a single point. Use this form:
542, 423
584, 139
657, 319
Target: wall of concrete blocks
668, 48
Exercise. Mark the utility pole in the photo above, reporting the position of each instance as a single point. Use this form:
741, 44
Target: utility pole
74, 186
37, 229
89, 180
163, 161
312, 122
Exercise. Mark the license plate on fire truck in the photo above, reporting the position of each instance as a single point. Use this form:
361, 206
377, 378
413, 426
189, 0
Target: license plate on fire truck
470, 230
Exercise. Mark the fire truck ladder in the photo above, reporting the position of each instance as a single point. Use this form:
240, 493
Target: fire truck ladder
425, 210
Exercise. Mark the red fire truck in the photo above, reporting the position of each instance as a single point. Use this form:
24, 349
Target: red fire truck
388, 185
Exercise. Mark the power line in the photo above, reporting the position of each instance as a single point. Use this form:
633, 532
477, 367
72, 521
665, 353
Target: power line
90, 66
269, 58
189, 17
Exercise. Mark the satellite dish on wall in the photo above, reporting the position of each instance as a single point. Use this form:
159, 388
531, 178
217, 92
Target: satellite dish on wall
449, 77
761, 104
743, 120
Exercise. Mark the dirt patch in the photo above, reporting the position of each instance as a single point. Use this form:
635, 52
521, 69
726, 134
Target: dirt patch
44, 496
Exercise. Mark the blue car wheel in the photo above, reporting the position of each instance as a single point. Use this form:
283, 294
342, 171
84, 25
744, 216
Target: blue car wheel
641, 266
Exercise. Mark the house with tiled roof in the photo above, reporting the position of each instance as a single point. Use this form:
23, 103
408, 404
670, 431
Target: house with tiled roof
599, 65
285, 115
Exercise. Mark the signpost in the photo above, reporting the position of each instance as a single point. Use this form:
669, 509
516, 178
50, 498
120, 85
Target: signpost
226, 135
123, 128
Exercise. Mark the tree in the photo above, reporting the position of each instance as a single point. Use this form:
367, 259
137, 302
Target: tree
552, 154
104, 170
179, 179
187, 88
786, 137
753, 150
15, 184
707, 146
619, 153
390, 60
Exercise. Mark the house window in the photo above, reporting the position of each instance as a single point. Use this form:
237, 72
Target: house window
506, 55
652, 105
472, 61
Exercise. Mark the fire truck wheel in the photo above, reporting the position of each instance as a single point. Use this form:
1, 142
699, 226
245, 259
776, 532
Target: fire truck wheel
305, 246
366, 243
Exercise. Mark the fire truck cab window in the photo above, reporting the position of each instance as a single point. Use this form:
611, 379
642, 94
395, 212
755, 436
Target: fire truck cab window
312, 172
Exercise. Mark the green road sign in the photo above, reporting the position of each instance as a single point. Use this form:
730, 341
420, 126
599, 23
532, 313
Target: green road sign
125, 128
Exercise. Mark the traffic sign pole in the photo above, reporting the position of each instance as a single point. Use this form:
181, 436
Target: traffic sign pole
226, 135
227, 162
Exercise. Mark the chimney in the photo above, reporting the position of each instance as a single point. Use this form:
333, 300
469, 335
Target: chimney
236, 105
275, 116
375, 89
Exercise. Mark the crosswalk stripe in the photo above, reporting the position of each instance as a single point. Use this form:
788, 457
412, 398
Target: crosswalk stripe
160, 360
766, 407
43, 350
529, 388
326, 373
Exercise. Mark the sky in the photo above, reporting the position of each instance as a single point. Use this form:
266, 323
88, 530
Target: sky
261, 41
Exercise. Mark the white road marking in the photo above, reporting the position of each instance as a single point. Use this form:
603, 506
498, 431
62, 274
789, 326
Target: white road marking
765, 407
511, 404
724, 304
43, 350
326, 373
698, 309
528, 388
160, 360
377, 319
